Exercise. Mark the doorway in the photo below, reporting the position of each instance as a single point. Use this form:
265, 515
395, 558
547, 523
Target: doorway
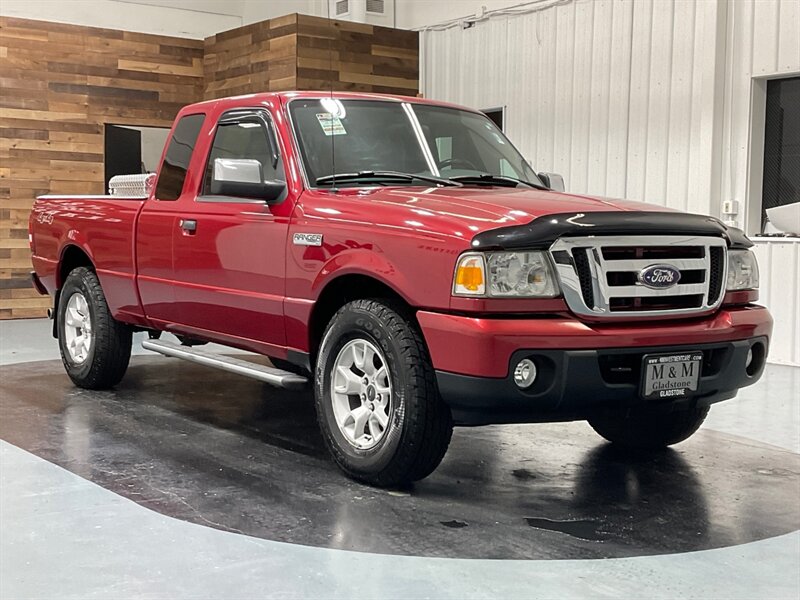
130, 150
781, 183
497, 116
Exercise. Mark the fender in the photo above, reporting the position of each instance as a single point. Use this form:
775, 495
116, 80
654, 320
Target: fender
298, 311
365, 262
77, 240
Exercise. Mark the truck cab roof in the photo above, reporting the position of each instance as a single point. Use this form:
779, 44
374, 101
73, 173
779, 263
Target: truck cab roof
286, 96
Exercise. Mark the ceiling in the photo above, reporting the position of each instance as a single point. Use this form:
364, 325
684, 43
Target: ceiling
220, 7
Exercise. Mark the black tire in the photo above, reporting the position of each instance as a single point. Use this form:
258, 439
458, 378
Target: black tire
110, 347
420, 425
649, 430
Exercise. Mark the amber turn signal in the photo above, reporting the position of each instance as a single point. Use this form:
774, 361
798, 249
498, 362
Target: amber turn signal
470, 279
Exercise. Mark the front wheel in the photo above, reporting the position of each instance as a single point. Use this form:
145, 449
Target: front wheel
378, 406
95, 349
649, 430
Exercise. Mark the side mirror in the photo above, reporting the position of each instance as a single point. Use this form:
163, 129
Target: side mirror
553, 180
243, 178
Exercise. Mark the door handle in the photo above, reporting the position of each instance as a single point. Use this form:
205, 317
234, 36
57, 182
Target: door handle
189, 226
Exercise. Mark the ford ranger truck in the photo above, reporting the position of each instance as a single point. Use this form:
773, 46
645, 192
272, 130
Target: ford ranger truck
402, 257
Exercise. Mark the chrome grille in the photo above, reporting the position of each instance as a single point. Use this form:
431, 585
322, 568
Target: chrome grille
601, 276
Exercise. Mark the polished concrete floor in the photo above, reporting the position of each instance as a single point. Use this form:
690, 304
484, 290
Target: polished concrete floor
186, 482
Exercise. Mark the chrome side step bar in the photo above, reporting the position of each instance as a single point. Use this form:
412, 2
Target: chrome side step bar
271, 375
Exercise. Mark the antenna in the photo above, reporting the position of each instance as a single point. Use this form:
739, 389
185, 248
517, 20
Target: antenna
333, 116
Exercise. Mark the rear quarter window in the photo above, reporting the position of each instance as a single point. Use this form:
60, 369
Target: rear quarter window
179, 153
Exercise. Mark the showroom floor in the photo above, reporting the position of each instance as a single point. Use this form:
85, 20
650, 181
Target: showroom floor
192, 483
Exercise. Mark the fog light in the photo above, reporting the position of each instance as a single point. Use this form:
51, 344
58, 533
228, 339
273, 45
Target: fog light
749, 360
525, 373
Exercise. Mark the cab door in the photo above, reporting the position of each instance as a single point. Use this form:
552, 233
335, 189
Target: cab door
229, 252
157, 221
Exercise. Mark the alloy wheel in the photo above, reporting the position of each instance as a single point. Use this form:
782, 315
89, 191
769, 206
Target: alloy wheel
361, 394
78, 334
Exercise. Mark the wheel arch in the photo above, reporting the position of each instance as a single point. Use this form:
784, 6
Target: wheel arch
72, 257
338, 291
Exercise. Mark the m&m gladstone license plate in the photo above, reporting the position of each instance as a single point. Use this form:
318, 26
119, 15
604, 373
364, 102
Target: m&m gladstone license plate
670, 375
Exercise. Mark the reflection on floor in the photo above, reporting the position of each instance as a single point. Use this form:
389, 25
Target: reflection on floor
192, 442
233, 455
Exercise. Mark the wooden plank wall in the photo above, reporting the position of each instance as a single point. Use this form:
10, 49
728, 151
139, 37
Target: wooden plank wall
62, 83
300, 52
255, 58
356, 57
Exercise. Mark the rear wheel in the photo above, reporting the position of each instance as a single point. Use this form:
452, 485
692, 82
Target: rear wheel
649, 430
95, 349
377, 402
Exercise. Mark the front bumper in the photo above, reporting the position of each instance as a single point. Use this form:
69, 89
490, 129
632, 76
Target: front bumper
584, 368
576, 384
482, 346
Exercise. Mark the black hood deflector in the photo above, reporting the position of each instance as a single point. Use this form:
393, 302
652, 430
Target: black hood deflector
543, 231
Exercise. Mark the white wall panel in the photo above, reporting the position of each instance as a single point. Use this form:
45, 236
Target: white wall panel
412, 14
788, 40
616, 176
645, 99
608, 93
182, 19
217, 7
254, 11
779, 263
763, 39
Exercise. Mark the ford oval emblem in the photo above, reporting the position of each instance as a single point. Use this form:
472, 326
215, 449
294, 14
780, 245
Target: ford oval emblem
659, 277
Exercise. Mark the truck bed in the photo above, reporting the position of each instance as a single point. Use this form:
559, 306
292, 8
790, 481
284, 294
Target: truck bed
100, 227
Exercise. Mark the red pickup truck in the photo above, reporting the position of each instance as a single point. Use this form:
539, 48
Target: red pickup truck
402, 257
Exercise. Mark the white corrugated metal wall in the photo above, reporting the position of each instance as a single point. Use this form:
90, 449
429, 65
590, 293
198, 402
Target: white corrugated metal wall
647, 99
763, 38
616, 96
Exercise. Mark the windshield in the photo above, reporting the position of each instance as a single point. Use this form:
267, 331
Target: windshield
378, 136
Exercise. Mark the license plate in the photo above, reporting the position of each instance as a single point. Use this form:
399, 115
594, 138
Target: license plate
670, 375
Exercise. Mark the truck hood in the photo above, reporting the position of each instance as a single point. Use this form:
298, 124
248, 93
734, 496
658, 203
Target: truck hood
497, 207
507, 217
465, 211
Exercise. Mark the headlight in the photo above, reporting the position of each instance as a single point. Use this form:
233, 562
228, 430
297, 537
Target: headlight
742, 270
505, 275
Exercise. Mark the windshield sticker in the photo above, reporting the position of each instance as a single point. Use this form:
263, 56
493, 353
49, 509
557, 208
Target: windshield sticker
331, 125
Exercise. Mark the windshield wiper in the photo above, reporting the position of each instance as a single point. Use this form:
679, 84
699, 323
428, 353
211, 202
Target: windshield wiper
383, 176
490, 179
